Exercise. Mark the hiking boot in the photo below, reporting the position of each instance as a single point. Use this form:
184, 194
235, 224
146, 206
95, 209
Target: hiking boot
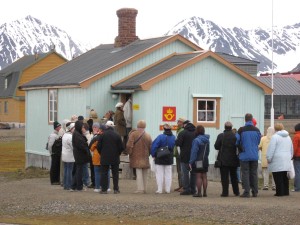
245, 195
185, 193
116, 192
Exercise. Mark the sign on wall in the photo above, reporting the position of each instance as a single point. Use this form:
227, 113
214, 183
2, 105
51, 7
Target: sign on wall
169, 113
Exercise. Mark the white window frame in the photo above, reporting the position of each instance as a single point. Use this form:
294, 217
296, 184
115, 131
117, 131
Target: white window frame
52, 105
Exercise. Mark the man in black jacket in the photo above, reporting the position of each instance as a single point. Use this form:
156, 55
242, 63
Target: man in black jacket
184, 141
110, 146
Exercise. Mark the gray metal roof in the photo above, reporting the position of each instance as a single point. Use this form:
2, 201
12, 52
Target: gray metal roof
282, 85
236, 59
12, 73
134, 82
91, 63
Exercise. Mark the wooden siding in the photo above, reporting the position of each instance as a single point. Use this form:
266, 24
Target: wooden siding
15, 111
37, 69
239, 96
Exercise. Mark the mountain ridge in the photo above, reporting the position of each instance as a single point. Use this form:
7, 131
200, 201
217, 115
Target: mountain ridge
254, 44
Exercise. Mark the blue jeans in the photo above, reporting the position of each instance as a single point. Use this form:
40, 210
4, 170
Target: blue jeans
297, 174
249, 176
97, 170
188, 178
238, 173
86, 175
68, 168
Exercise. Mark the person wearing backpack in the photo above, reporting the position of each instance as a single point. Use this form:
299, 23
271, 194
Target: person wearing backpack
55, 147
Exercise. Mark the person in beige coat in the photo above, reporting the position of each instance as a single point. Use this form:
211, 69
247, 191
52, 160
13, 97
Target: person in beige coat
263, 146
138, 148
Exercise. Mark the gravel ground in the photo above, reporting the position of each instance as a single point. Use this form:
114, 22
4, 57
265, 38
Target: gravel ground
36, 198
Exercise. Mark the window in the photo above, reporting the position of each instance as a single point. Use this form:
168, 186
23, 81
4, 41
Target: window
206, 111
52, 105
6, 107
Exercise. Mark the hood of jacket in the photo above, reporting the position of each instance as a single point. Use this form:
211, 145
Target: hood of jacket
190, 127
78, 126
204, 138
282, 133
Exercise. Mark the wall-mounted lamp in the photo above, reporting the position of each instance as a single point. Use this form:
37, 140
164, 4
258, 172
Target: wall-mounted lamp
114, 96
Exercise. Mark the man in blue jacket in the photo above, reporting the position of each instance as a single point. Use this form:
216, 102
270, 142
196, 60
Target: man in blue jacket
248, 138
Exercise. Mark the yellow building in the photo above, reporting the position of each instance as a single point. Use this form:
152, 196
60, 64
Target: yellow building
27, 68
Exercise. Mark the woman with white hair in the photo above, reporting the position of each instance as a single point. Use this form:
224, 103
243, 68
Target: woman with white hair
263, 146
279, 155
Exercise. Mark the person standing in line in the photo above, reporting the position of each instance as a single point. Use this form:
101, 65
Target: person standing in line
263, 146
128, 114
163, 165
67, 155
180, 122
200, 151
138, 148
296, 157
248, 138
55, 154
279, 155
227, 155
184, 141
97, 131
119, 121
86, 176
110, 147
81, 155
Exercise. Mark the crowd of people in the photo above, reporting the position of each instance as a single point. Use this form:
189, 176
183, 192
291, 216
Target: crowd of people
99, 143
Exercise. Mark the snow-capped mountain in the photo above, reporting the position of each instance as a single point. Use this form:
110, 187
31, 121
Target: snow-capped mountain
251, 44
29, 36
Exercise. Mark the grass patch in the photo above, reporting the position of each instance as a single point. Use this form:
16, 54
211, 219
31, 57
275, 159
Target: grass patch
12, 161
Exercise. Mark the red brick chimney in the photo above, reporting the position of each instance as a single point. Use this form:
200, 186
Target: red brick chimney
127, 27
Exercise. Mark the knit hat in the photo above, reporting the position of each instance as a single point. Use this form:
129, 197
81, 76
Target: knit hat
119, 104
80, 118
110, 123
96, 124
56, 125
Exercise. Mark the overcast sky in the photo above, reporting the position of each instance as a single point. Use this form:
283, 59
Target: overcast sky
95, 21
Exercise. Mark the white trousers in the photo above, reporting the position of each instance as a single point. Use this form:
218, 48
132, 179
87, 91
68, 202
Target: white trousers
266, 175
163, 175
141, 179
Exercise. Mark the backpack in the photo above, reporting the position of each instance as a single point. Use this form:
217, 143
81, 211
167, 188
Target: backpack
57, 146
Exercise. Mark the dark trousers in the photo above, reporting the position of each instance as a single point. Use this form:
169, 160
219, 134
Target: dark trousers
225, 172
249, 176
178, 168
92, 172
281, 182
188, 178
55, 168
77, 175
115, 175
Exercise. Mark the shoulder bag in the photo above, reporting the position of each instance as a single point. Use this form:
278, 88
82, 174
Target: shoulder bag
199, 164
163, 151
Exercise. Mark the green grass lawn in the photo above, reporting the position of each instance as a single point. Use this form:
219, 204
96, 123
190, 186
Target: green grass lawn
12, 161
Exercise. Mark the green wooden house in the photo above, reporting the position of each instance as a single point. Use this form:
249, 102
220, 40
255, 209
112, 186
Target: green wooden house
168, 77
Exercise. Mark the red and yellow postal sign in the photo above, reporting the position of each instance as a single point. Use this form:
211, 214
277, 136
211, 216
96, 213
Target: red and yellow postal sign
169, 113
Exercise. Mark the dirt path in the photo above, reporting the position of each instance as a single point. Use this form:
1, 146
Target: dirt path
34, 201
